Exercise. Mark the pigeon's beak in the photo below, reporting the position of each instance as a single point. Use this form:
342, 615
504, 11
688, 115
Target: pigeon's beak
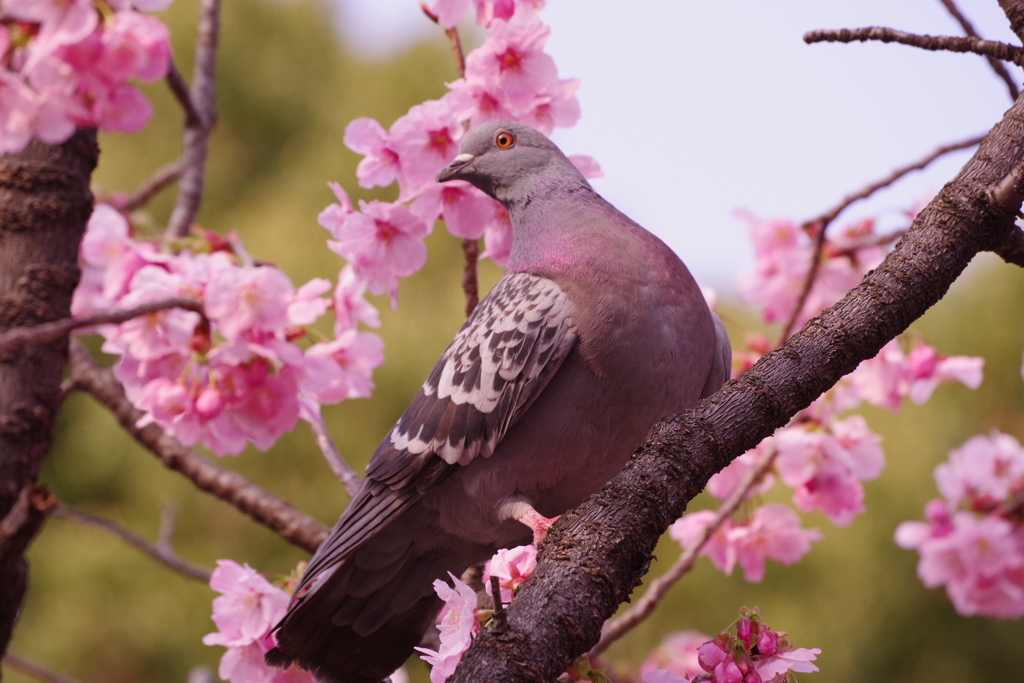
451, 171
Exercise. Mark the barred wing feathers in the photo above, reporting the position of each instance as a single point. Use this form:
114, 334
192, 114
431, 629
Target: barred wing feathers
498, 363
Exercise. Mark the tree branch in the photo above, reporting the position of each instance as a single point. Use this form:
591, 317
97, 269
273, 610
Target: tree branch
656, 592
164, 556
997, 66
595, 555
179, 88
470, 283
231, 487
341, 469
45, 203
1014, 10
36, 670
162, 178
456, 43
822, 222
198, 122
12, 341
985, 48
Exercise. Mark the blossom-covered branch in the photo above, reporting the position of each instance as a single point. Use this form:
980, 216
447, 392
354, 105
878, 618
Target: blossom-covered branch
642, 608
595, 555
821, 223
997, 66
159, 552
48, 332
986, 48
197, 132
262, 506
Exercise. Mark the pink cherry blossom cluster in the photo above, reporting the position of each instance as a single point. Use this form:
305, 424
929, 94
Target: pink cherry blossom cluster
247, 609
508, 77
782, 259
460, 619
972, 539
823, 456
235, 373
755, 654
65, 64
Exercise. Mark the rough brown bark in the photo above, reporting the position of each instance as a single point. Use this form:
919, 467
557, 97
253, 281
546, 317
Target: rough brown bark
44, 204
595, 555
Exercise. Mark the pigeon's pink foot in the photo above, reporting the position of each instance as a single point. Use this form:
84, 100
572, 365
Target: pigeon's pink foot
537, 522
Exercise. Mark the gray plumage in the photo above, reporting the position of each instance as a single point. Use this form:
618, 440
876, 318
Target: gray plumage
596, 332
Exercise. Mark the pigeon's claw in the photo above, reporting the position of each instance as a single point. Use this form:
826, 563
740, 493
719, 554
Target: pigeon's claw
537, 523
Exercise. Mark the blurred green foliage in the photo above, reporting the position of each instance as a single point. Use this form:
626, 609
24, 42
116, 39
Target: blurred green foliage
101, 611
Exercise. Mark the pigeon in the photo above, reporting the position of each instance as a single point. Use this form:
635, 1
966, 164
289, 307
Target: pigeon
596, 332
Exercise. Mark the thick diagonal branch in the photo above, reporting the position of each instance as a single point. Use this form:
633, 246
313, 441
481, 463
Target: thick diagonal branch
595, 555
985, 48
231, 487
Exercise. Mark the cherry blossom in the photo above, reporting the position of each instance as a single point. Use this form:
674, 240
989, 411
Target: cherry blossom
249, 607
458, 625
380, 165
384, 241
70, 68
677, 654
349, 303
772, 532
512, 566
234, 374
513, 57
756, 654
972, 541
240, 299
425, 140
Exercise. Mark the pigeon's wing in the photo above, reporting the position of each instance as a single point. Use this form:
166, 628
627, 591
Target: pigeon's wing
501, 359
721, 363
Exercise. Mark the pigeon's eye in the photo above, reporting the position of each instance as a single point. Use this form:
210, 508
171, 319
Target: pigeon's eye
504, 140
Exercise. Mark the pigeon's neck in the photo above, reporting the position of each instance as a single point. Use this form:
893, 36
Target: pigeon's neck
564, 227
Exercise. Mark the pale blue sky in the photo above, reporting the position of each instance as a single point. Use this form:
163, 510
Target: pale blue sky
698, 108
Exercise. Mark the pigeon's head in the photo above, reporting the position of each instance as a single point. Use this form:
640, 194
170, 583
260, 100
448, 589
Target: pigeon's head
509, 160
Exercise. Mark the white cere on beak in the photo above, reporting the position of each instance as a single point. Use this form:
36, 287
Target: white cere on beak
463, 158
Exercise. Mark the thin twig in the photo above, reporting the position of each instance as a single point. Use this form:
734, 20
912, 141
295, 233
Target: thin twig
345, 474
470, 248
165, 534
262, 506
997, 66
36, 670
985, 48
52, 331
500, 622
470, 282
619, 626
197, 132
164, 556
821, 223
885, 240
460, 57
162, 178
176, 82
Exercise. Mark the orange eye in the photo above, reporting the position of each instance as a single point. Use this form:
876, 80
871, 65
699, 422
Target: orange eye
504, 140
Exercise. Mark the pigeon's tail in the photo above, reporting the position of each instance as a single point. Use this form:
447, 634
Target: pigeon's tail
364, 620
